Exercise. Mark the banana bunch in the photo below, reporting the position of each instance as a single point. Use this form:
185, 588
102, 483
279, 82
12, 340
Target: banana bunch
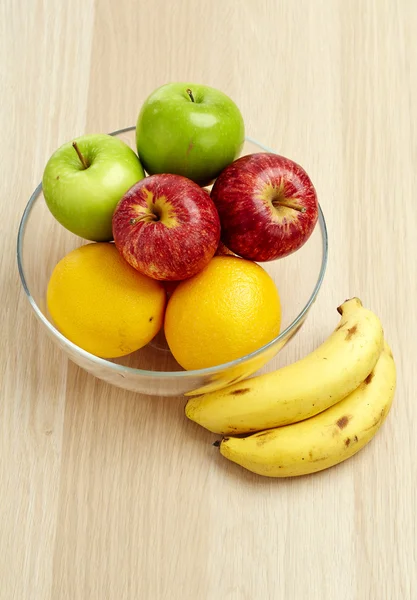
312, 414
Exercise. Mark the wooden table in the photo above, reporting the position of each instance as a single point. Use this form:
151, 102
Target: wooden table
105, 494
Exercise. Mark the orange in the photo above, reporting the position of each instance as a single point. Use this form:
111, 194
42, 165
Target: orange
226, 311
102, 304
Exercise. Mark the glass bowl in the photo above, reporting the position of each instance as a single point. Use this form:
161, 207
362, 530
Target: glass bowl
152, 370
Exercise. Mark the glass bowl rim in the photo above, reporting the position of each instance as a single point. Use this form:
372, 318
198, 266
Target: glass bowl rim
165, 374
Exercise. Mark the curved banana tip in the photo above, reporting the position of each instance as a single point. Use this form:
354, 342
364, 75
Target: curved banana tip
355, 300
217, 443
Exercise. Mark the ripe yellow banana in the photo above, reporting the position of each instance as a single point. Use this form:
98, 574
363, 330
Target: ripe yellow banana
324, 440
302, 389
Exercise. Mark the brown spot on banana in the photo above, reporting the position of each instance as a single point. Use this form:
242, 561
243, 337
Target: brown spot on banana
343, 421
369, 378
351, 332
239, 392
347, 442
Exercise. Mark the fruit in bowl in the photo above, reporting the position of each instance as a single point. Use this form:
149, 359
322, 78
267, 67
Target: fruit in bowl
267, 206
152, 369
167, 227
226, 311
189, 129
103, 305
85, 179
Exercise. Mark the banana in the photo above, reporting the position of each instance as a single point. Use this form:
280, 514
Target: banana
302, 389
324, 440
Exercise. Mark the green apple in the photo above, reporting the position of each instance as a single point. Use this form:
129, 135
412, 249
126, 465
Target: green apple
189, 129
84, 180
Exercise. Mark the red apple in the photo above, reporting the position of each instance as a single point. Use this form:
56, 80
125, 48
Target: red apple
267, 206
167, 227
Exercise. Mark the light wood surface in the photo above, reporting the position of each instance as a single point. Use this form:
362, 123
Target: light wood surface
105, 494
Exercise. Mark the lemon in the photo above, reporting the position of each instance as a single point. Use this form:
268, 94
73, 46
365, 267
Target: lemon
102, 304
226, 311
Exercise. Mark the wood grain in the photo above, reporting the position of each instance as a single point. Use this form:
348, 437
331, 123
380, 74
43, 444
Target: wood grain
106, 494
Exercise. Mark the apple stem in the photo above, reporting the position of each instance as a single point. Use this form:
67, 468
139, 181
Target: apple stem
145, 217
189, 92
289, 204
80, 156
